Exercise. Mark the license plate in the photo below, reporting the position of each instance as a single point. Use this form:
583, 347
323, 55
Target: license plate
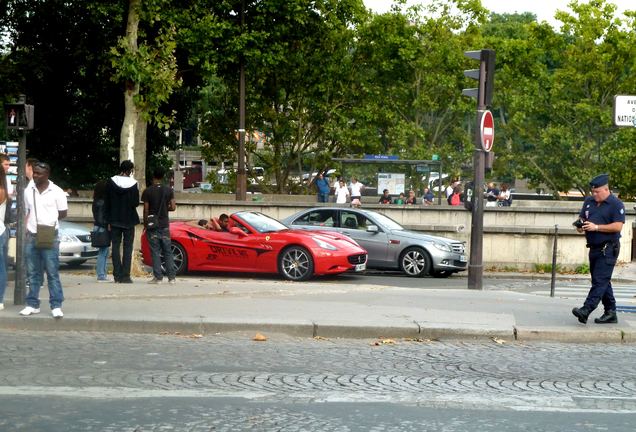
361, 267
463, 258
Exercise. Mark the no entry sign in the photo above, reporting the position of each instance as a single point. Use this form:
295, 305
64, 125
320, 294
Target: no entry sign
487, 130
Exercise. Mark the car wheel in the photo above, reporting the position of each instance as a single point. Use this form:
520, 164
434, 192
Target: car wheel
75, 264
415, 262
296, 263
442, 273
180, 259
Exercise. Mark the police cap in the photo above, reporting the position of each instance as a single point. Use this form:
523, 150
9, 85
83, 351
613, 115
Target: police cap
599, 180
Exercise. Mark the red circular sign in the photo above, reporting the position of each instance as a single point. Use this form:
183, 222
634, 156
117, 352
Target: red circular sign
487, 131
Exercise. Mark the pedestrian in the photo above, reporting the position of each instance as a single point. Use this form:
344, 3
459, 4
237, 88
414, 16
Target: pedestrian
400, 199
342, 192
158, 200
46, 205
411, 199
100, 228
6, 165
601, 219
492, 193
322, 185
5, 207
505, 198
428, 197
385, 198
120, 205
455, 198
356, 192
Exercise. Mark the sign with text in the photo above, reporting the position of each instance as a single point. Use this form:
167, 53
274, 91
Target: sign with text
625, 110
394, 182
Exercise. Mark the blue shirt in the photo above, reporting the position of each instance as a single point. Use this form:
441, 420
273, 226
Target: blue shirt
323, 186
603, 213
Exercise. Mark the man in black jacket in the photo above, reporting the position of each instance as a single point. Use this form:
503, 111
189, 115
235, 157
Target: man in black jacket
121, 201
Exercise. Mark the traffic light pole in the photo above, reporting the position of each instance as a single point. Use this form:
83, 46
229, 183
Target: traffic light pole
19, 291
483, 94
475, 264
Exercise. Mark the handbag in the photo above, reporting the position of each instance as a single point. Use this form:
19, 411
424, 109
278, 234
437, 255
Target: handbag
46, 234
100, 239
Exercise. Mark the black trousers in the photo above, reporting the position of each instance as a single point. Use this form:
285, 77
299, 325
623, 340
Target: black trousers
602, 264
122, 261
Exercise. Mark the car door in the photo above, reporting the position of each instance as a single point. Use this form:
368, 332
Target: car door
354, 224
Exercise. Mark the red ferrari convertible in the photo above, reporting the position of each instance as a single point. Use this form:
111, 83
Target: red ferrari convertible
256, 243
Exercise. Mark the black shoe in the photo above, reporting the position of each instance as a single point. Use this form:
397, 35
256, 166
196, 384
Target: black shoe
609, 317
581, 313
125, 280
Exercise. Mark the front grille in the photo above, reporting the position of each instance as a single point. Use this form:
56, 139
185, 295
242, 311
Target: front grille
84, 238
89, 254
357, 259
457, 263
458, 248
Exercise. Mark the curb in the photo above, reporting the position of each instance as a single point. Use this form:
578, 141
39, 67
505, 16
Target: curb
308, 330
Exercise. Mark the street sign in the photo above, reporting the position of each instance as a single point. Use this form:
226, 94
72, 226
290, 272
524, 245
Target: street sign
625, 110
486, 130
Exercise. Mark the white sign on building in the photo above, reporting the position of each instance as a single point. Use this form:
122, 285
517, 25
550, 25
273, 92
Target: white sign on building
625, 110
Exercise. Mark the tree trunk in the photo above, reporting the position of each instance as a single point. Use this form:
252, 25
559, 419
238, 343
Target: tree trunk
133, 131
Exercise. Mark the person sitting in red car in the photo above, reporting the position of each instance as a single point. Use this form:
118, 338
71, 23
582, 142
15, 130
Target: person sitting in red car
221, 225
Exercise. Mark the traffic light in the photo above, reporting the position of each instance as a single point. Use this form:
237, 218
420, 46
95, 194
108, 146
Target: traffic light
485, 75
19, 116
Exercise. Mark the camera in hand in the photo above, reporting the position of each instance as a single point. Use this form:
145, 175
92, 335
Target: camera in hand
578, 223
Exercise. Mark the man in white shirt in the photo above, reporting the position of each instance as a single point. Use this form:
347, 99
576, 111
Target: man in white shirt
45, 204
356, 192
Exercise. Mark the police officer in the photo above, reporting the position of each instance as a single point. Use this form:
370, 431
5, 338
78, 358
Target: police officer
603, 216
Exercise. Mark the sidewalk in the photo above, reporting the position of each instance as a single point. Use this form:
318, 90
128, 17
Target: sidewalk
204, 306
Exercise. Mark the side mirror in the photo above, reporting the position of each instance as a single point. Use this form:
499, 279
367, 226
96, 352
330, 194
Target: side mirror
372, 228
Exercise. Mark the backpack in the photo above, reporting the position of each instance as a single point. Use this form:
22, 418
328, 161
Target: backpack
454, 199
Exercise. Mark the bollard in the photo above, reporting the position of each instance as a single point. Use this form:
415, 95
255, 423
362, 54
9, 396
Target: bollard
554, 259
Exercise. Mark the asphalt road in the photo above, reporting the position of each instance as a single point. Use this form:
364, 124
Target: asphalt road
75, 381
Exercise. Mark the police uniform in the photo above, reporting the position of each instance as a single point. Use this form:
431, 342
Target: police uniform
604, 249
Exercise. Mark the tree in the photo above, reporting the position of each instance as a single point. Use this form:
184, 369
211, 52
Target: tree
148, 73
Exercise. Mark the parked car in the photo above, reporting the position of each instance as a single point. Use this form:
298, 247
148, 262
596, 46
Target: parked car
257, 243
75, 244
388, 244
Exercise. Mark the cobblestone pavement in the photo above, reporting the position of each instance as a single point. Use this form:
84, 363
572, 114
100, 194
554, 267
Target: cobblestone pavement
128, 382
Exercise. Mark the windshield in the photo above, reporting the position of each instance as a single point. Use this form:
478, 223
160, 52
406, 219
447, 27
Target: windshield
386, 221
261, 222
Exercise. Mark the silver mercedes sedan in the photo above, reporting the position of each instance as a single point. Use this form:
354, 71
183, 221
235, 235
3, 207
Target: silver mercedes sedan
389, 245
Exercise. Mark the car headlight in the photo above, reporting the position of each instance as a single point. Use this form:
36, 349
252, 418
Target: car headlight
68, 238
442, 246
323, 244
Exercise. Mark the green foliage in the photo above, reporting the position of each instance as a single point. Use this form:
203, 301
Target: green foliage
325, 79
582, 269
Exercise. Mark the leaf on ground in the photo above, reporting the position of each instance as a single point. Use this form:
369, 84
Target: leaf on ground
384, 342
320, 338
259, 338
499, 341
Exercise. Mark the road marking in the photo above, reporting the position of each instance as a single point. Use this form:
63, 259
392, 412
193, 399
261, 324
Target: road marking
625, 295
